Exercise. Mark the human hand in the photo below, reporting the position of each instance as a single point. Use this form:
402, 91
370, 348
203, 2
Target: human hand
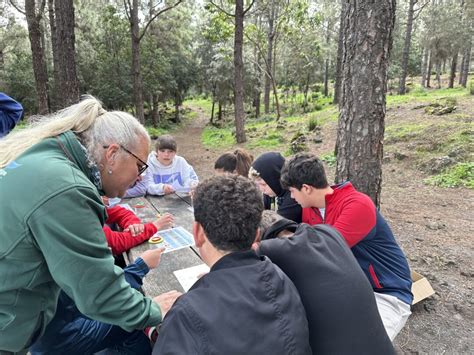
168, 189
164, 222
152, 257
166, 300
105, 200
135, 229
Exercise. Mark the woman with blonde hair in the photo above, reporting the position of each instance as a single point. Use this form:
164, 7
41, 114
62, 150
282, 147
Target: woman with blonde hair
52, 176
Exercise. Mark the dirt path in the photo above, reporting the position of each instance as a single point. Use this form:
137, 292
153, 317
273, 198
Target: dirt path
434, 227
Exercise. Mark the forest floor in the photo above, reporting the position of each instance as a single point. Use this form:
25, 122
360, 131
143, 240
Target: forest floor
433, 225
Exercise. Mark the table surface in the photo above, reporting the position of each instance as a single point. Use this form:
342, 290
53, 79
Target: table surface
162, 279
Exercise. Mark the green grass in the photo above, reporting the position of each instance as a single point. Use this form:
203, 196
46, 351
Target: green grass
423, 95
269, 140
404, 132
204, 104
155, 132
329, 158
462, 174
217, 137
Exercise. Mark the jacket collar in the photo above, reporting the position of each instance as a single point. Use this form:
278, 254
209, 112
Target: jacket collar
346, 186
235, 259
77, 154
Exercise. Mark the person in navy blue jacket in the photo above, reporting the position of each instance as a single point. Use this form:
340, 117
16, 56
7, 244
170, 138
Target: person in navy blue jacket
71, 332
10, 113
338, 299
245, 304
365, 230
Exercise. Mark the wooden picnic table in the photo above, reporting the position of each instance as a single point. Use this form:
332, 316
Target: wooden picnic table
162, 278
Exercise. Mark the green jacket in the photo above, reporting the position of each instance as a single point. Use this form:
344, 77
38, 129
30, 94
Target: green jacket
51, 238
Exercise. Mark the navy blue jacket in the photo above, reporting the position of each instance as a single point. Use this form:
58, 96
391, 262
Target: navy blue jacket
244, 305
338, 299
10, 113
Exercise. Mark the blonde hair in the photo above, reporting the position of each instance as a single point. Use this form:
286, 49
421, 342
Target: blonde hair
94, 126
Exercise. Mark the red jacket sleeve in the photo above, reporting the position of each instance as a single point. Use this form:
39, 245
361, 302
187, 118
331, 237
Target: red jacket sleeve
356, 219
121, 216
120, 242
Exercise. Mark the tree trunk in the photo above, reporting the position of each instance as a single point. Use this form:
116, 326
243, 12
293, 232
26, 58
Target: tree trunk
424, 67
257, 91
136, 72
368, 30
406, 47
54, 93
155, 113
269, 61
452, 74
239, 73
219, 111
461, 69
326, 62
38, 55
430, 68
68, 84
467, 64
438, 73
339, 60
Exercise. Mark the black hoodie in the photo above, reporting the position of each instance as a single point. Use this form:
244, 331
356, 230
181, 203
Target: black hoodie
269, 165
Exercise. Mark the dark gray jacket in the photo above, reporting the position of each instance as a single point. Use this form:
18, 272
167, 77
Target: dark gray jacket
245, 305
338, 299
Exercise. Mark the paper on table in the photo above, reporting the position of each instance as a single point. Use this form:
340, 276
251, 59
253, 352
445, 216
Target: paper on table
174, 239
187, 277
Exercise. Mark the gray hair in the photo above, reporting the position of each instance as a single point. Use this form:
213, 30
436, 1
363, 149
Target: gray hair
94, 126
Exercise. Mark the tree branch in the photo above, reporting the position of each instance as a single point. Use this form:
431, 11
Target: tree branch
155, 16
221, 9
418, 11
128, 7
17, 8
248, 8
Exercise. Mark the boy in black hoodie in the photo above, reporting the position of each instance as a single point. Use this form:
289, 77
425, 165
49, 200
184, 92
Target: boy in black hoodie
265, 171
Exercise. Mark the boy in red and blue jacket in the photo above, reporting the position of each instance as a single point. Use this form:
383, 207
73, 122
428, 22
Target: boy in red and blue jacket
365, 230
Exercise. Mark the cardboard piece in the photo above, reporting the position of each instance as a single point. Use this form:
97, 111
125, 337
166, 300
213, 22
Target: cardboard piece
420, 288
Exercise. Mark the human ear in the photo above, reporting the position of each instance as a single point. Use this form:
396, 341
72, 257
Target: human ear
198, 234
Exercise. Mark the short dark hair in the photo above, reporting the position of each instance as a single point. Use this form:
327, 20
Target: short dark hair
166, 142
229, 208
303, 168
239, 161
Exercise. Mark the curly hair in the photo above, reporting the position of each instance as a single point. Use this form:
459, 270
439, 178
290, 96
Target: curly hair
229, 208
303, 168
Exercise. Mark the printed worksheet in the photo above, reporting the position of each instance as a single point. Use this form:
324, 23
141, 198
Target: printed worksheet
187, 277
172, 239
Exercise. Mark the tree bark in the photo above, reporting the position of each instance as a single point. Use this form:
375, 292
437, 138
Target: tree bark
452, 74
155, 113
68, 84
438, 73
406, 47
461, 69
136, 72
339, 60
424, 67
38, 54
239, 73
54, 93
430, 68
368, 29
467, 64
326, 62
269, 61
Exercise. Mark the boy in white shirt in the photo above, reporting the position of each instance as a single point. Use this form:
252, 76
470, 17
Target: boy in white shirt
167, 172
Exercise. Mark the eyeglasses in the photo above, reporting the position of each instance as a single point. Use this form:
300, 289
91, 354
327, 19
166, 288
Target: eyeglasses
142, 168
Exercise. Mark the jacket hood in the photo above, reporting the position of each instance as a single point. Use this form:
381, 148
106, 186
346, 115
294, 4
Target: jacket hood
156, 165
269, 165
